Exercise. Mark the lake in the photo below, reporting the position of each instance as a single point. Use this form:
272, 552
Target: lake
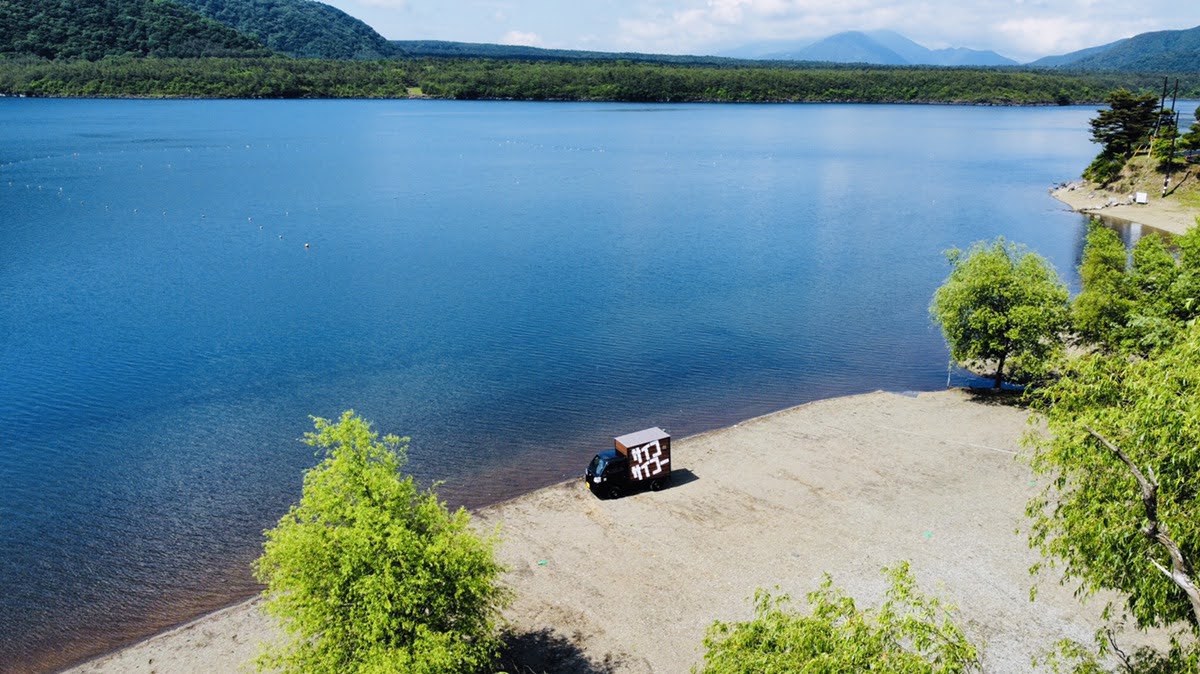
182, 283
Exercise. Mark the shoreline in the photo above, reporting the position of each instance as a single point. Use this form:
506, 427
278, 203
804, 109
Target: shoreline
928, 477
179, 630
1164, 215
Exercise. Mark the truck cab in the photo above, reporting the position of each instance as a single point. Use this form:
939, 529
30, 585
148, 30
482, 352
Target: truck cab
608, 474
637, 460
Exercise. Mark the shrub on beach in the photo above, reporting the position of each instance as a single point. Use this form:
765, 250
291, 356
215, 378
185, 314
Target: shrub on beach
1104, 169
369, 574
908, 634
1003, 307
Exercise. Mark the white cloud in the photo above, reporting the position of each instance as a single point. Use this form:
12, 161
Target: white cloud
728, 21
517, 37
386, 4
1021, 29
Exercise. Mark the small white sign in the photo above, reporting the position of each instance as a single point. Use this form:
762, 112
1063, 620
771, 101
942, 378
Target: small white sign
1140, 197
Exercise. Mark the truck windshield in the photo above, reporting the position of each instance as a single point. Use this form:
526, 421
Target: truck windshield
597, 465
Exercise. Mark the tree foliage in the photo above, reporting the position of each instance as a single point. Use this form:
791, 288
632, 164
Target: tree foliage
300, 28
1100, 311
1120, 130
1121, 449
1071, 657
1001, 305
1191, 139
1139, 306
93, 29
909, 634
1126, 124
1161, 51
579, 80
369, 574
1165, 145
1122, 508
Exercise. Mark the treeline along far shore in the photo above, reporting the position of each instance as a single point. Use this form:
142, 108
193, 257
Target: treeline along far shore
514, 79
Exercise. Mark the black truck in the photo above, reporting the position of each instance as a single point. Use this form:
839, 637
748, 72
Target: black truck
636, 461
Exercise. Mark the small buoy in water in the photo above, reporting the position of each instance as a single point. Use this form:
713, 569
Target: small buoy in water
280, 237
306, 245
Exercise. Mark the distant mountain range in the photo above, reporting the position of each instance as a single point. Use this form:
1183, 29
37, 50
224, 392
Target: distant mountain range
1161, 51
94, 29
881, 47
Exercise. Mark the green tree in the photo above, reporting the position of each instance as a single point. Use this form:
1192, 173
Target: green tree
1153, 321
1001, 304
1121, 510
1185, 288
369, 574
909, 634
1100, 312
1191, 139
1141, 308
1166, 140
1125, 125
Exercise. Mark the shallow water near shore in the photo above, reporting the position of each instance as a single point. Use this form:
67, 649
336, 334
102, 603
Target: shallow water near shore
509, 284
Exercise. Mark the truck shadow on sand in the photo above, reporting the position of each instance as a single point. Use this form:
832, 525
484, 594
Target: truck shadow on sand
681, 477
546, 651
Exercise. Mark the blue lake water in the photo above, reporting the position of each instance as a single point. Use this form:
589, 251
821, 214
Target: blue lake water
183, 283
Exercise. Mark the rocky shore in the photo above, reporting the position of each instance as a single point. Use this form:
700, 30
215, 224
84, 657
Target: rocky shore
1168, 215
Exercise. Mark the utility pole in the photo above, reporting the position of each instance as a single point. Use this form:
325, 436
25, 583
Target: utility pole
1171, 157
1162, 103
1174, 97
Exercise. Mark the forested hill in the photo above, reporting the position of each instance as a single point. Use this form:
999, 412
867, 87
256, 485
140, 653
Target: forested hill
1162, 51
1173, 51
300, 28
93, 29
468, 79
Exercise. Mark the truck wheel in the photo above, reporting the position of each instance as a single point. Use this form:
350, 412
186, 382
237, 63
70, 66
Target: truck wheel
658, 485
614, 492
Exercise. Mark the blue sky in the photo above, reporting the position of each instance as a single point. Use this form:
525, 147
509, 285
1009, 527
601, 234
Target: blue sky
1020, 29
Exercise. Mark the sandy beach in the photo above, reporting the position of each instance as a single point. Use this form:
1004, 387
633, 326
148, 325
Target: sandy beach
844, 486
1167, 215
